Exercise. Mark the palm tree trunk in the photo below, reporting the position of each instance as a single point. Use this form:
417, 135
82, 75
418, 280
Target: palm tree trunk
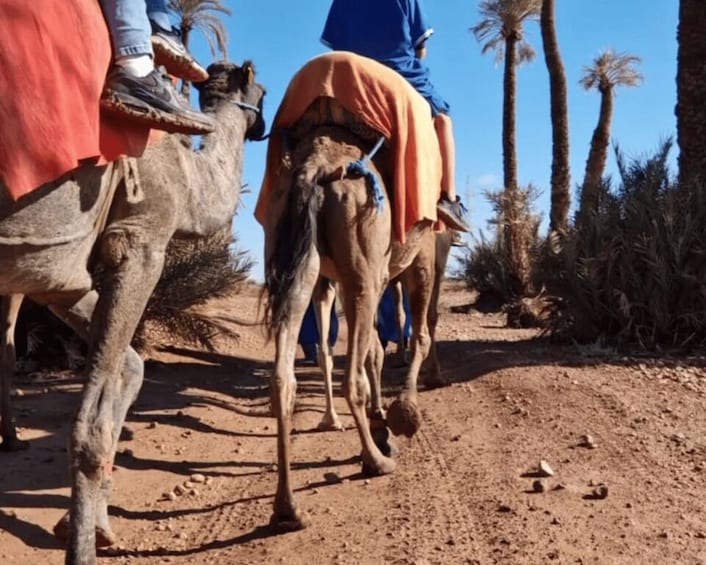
185, 84
516, 246
509, 126
691, 92
561, 177
597, 156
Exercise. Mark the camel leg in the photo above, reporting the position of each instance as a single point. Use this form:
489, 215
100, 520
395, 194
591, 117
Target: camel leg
403, 416
362, 295
286, 516
324, 295
8, 312
78, 317
108, 390
401, 358
376, 413
431, 369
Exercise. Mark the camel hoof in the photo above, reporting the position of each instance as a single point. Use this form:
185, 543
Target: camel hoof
292, 521
329, 423
378, 467
381, 437
403, 417
105, 537
10, 444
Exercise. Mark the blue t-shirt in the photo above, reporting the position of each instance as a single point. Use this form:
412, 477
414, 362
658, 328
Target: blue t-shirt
388, 31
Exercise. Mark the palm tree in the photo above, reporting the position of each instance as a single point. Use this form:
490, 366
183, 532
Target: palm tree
199, 15
501, 30
561, 176
609, 69
691, 85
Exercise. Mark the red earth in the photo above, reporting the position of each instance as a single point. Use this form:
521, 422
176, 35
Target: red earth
623, 436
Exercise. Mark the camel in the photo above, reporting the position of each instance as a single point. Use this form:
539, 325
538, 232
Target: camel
431, 368
49, 238
325, 227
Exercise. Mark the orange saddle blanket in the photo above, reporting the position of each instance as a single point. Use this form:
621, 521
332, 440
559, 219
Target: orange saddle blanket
53, 61
386, 102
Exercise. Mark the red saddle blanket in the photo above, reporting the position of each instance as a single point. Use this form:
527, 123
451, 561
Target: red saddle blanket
53, 61
381, 98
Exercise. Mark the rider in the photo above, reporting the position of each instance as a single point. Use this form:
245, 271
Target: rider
142, 36
394, 32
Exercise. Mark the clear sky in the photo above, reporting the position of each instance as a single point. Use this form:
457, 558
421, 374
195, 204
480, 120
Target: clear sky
279, 36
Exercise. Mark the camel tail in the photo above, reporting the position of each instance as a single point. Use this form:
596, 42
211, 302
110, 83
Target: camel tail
295, 241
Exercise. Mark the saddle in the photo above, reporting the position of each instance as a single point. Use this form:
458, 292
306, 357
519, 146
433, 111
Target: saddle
53, 61
372, 100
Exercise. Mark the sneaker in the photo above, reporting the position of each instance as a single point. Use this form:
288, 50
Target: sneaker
170, 52
152, 101
452, 213
457, 239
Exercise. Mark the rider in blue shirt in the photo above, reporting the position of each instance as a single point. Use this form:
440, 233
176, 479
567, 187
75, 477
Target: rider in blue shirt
394, 32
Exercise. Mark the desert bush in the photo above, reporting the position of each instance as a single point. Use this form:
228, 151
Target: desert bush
501, 268
636, 271
195, 271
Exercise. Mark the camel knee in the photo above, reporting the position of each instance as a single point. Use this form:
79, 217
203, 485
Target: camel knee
91, 447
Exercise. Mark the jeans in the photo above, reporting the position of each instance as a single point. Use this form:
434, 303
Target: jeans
129, 25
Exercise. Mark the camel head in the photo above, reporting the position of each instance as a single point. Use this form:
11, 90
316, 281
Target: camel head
235, 84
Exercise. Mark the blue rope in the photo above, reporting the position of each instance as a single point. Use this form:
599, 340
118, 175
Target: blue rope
360, 168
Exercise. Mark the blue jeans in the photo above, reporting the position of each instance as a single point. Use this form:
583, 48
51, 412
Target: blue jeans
129, 24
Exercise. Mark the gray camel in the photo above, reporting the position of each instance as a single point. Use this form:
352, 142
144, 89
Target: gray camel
49, 239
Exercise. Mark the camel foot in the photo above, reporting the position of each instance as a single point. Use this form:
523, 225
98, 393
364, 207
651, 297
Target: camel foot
404, 417
330, 422
379, 466
289, 521
105, 537
434, 380
12, 443
381, 437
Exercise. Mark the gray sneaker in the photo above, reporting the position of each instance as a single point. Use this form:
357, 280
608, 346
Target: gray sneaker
152, 101
452, 213
171, 52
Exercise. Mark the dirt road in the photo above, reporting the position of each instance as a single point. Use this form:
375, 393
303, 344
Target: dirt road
624, 438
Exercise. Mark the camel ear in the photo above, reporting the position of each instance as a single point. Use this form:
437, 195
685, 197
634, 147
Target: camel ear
249, 72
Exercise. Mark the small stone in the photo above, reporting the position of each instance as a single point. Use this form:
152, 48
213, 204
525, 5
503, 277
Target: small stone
504, 508
559, 486
193, 492
588, 441
366, 482
188, 485
600, 492
544, 469
179, 490
152, 425
198, 478
172, 495
538, 486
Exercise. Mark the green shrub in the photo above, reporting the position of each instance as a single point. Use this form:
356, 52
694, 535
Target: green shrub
636, 273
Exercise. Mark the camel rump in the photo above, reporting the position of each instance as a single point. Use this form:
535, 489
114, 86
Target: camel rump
53, 62
380, 99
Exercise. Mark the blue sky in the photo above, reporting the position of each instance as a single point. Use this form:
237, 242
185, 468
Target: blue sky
279, 36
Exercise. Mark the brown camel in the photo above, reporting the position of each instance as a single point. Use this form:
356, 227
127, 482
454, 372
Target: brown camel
49, 238
431, 369
322, 225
